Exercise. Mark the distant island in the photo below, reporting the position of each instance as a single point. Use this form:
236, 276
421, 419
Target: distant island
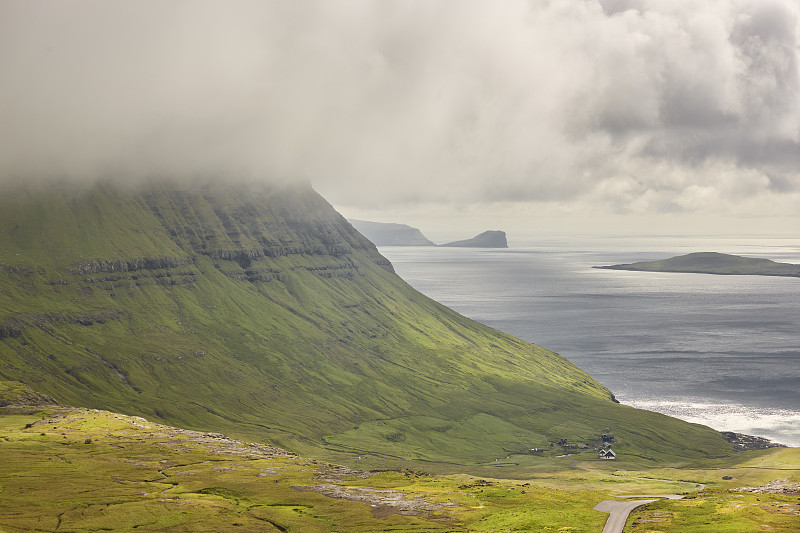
487, 239
391, 234
713, 263
388, 234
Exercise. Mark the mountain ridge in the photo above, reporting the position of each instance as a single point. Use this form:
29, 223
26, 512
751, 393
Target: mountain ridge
257, 310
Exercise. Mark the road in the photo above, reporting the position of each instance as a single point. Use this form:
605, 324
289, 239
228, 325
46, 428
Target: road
618, 511
699, 486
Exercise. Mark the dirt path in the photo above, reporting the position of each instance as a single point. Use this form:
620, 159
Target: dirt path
699, 486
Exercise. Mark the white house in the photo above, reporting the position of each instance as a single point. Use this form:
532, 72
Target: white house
607, 454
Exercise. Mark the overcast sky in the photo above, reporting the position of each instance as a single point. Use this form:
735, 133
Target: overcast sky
653, 115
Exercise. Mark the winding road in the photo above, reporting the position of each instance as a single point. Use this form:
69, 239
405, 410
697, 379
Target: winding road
618, 511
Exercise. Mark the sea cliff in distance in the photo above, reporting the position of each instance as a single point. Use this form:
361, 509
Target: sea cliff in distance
713, 263
487, 239
389, 234
392, 234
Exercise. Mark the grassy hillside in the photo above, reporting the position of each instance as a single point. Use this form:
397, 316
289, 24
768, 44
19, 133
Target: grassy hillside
714, 263
89, 470
259, 311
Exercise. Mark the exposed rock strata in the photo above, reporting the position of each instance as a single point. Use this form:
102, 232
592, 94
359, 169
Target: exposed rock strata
13, 327
130, 265
111, 283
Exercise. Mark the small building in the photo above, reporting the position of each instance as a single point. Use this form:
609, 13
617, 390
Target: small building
607, 437
607, 454
537, 450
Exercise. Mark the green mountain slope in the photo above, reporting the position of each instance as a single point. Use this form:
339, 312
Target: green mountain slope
259, 311
714, 263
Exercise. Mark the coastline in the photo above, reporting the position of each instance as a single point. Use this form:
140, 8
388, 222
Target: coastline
715, 350
748, 427
625, 268
743, 443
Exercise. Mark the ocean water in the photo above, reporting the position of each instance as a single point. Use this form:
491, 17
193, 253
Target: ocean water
720, 350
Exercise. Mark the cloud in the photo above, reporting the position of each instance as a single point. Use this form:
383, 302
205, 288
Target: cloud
633, 104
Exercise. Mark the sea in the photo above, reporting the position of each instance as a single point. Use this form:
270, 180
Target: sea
723, 351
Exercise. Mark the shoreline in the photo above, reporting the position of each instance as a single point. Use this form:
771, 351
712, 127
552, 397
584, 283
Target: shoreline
744, 443
753, 425
689, 271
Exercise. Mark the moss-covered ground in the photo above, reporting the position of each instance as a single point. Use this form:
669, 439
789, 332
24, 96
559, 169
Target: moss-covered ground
88, 470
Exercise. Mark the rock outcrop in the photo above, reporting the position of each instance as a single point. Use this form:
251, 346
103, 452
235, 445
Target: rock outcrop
14, 393
776, 486
742, 442
487, 239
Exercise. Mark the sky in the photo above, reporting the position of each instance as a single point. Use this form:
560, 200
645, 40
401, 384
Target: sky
454, 116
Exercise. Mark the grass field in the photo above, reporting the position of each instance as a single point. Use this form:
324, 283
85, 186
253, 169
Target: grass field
87, 470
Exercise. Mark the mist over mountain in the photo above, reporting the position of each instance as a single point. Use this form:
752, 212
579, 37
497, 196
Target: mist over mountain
518, 109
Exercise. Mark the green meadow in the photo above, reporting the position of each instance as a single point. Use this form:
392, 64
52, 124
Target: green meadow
69, 469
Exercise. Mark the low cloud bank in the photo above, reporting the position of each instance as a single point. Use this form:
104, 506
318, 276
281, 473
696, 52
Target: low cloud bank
636, 105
